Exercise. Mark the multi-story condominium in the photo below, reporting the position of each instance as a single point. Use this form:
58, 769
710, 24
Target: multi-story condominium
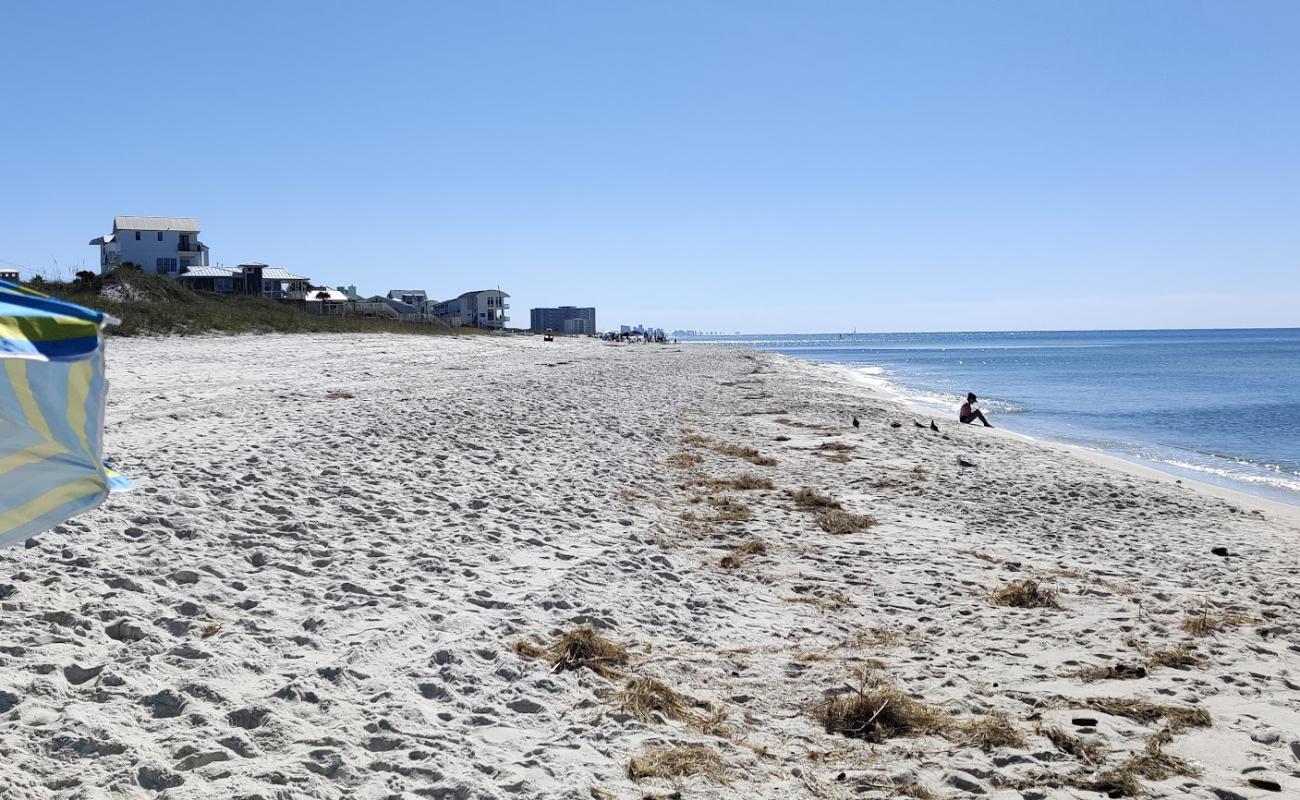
485, 308
565, 319
160, 245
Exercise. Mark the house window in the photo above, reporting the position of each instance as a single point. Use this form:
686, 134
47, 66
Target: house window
164, 265
137, 236
160, 236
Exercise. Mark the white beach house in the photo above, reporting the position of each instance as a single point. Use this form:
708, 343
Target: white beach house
485, 308
159, 245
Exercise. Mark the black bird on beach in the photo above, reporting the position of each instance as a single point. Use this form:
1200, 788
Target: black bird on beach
961, 462
917, 424
895, 424
933, 427
855, 422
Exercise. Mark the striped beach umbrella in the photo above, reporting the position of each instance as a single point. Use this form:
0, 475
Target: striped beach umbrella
52, 391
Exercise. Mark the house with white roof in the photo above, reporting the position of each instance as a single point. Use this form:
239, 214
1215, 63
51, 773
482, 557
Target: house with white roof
157, 245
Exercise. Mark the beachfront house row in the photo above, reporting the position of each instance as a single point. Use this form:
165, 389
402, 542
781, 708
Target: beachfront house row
10, 275
565, 319
159, 245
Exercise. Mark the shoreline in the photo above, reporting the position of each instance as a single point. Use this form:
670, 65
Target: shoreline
1266, 498
356, 567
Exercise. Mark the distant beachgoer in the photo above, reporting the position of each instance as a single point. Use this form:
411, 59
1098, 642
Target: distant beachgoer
969, 413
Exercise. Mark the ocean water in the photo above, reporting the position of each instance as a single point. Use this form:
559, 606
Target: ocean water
1221, 406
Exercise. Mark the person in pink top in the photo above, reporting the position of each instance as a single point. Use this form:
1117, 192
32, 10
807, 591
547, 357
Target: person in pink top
969, 413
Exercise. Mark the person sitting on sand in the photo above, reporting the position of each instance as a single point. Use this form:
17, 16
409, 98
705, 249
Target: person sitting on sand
969, 413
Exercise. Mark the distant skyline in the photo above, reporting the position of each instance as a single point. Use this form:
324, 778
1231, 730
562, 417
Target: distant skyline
757, 166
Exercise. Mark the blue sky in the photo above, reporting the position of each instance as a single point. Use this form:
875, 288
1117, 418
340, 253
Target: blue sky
754, 166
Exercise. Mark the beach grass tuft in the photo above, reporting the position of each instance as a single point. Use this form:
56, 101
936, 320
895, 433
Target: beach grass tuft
842, 522
990, 732
726, 509
676, 762
1176, 717
1206, 622
1111, 672
737, 557
1025, 594
684, 459
877, 712
1181, 657
744, 482
1074, 746
747, 453
811, 500
645, 697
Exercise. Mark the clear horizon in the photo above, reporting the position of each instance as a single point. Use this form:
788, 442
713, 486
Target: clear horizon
730, 166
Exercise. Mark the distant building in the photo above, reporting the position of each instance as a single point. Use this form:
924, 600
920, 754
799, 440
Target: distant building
411, 297
485, 308
565, 319
159, 245
10, 275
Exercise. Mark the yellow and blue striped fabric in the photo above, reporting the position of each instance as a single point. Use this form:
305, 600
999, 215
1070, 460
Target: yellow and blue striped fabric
52, 391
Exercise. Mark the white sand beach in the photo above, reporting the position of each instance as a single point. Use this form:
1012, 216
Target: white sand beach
346, 557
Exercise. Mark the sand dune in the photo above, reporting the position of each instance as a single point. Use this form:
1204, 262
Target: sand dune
349, 564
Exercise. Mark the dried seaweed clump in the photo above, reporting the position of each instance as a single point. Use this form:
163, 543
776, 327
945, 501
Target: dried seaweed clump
737, 557
837, 447
1177, 717
579, 648
1181, 657
339, 395
676, 762
878, 713
1089, 753
684, 460
1205, 623
841, 522
1112, 672
747, 453
1154, 764
1025, 594
744, 482
811, 500
989, 733
644, 697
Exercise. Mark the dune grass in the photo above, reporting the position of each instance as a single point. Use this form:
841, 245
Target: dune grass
153, 304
